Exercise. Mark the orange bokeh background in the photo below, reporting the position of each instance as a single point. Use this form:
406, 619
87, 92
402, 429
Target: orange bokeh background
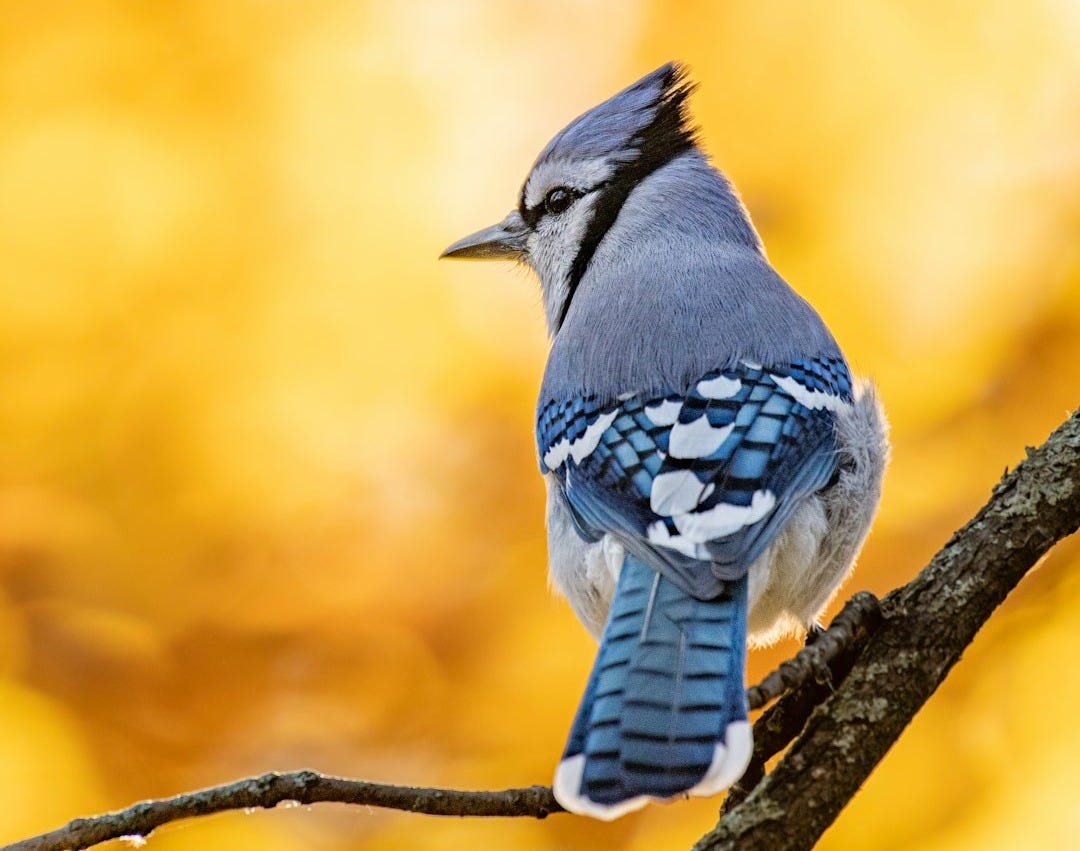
268, 491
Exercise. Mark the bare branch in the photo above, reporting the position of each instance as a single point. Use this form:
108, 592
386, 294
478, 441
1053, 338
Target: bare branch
811, 664
303, 787
927, 625
810, 677
851, 627
884, 662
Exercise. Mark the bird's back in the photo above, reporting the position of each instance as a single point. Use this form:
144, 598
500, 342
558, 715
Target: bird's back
708, 455
679, 286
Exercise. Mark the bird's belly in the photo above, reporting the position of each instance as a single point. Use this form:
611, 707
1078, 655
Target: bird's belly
585, 573
789, 583
793, 580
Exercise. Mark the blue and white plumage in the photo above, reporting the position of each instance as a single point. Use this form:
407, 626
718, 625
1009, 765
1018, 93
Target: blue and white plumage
712, 468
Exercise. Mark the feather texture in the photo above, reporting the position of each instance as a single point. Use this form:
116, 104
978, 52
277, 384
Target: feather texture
710, 466
664, 711
697, 483
693, 485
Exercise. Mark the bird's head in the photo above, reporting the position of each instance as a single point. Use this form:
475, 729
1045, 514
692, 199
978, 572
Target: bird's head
581, 181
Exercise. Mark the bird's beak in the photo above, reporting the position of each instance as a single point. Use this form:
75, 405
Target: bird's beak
504, 241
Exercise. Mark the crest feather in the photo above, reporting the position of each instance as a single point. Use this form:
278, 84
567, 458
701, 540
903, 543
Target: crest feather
670, 132
648, 122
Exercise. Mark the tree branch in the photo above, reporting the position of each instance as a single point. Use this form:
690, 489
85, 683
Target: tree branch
818, 668
927, 625
884, 663
814, 663
810, 665
303, 787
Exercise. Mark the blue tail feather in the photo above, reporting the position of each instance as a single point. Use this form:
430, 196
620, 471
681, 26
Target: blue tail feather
666, 687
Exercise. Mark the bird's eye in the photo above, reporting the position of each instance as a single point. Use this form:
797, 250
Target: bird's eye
558, 199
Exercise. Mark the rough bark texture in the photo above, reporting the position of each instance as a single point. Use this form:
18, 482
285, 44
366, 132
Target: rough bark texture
827, 662
799, 678
926, 626
884, 663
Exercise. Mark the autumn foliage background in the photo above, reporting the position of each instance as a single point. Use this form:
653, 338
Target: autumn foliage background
268, 492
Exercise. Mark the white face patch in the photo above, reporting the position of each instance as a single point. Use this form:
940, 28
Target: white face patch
581, 448
551, 250
812, 399
556, 239
697, 439
582, 175
720, 387
664, 414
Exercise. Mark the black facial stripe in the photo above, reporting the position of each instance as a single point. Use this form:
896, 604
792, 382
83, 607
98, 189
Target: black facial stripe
666, 136
534, 215
531, 217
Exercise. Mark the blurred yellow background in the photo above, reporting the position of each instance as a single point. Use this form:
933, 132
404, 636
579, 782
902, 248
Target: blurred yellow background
268, 490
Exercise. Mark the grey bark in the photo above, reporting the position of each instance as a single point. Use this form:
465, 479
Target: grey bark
883, 661
925, 627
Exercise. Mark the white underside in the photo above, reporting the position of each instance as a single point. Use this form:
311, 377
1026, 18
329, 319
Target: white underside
790, 584
794, 579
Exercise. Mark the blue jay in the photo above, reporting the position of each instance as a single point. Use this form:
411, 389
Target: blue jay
711, 466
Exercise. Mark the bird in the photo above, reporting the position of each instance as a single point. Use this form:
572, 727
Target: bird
712, 467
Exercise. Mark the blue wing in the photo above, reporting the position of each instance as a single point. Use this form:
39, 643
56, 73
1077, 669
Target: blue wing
704, 476
694, 484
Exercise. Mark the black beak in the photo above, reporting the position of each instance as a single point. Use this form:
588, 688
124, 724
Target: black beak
504, 241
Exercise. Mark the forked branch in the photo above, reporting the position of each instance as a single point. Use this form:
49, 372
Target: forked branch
883, 662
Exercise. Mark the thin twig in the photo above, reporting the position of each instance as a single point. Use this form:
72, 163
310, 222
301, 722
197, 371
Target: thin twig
927, 625
310, 787
807, 680
851, 626
894, 667
303, 787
